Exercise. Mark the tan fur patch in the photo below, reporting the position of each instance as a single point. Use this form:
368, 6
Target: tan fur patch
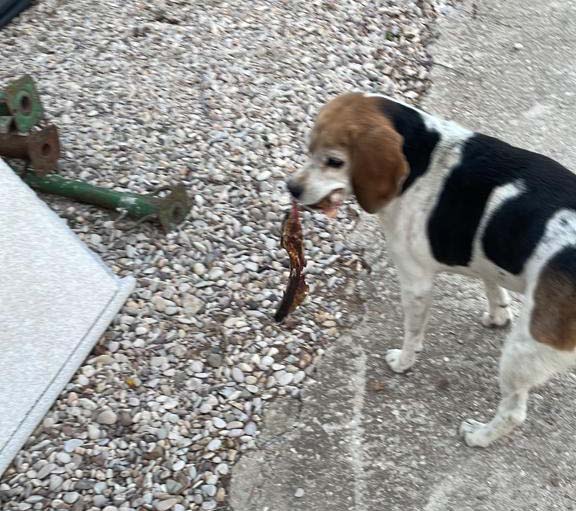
355, 124
553, 319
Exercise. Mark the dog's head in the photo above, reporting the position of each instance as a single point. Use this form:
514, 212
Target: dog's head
354, 148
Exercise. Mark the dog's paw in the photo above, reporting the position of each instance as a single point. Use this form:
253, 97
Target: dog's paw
475, 433
396, 362
499, 318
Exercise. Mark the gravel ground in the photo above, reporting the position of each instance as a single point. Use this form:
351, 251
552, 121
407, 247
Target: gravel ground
220, 95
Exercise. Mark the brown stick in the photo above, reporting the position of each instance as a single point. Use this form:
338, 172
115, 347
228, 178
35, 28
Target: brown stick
292, 242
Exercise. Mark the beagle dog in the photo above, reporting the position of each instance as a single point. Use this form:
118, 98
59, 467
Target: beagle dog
453, 200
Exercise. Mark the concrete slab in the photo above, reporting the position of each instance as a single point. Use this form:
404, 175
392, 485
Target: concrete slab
56, 300
364, 439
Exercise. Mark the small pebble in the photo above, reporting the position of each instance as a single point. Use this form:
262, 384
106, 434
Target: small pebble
107, 417
209, 490
45, 470
55, 482
100, 501
219, 423
238, 375
165, 505
72, 444
214, 445
214, 360
71, 497
199, 269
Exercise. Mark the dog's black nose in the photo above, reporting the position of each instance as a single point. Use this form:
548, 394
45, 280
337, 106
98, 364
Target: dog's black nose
295, 189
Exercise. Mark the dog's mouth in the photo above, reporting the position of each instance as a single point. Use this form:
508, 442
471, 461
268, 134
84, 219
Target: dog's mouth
329, 205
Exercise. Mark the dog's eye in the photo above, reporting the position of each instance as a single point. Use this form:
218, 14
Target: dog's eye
335, 163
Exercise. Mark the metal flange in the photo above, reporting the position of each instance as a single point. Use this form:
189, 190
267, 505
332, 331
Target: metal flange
40, 147
21, 101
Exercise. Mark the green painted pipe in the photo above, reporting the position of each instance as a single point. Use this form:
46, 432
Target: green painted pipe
170, 211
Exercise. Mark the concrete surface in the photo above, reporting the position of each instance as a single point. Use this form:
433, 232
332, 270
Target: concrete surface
56, 300
364, 439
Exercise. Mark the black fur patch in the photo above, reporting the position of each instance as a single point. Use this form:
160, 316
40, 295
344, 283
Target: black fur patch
419, 141
564, 263
518, 224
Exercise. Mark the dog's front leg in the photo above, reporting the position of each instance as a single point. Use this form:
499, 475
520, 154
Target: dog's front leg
416, 289
498, 314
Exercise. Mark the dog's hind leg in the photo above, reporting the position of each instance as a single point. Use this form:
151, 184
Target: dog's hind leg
542, 344
525, 363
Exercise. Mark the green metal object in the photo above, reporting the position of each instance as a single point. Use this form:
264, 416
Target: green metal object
21, 101
170, 211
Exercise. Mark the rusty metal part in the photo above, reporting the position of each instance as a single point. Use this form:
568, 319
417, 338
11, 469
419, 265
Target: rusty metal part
41, 148
21, 101
173, 209
170, 210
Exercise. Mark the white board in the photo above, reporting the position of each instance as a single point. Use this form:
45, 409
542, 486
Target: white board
56, 300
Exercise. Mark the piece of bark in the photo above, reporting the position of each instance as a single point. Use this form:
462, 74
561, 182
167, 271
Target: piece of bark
293, 243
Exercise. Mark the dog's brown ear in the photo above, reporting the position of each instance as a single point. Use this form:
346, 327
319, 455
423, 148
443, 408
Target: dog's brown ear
378, 165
